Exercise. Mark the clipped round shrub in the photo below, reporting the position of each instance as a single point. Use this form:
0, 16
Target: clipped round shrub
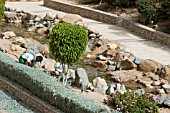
2, 8
68, 42
131, 102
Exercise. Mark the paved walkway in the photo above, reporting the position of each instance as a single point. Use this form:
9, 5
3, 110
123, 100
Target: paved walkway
139, 47
10, 104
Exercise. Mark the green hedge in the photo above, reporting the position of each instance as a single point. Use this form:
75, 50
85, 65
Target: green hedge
2, 8
47, 87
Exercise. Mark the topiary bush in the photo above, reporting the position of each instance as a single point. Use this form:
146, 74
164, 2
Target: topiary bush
131, 102
68, 43
2, 9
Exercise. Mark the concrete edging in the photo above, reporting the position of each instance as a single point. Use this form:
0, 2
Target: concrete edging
136, 28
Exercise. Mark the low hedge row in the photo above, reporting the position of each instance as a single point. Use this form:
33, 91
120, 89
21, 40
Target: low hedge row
47, 88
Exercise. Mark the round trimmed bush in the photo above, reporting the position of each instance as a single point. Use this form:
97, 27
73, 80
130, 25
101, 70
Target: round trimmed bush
68, 42
2, 8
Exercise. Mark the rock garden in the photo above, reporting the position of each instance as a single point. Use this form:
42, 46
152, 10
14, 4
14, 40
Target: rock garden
106, 70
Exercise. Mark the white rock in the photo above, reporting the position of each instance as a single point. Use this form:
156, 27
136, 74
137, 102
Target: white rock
101, 57
160, 91
118, 86
100, 84
8, 34
155, 83
112, 45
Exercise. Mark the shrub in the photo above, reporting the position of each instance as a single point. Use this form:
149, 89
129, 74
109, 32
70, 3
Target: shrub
147, 10
121, 3
68, 43
131, 102
2, 8
164, 9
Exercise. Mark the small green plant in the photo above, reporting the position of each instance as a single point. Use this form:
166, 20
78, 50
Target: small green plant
147, 10
67, 44
131, 102
2, 8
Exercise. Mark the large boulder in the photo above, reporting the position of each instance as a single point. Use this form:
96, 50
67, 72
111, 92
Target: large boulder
111, 53
104, 41
42, 30
34, 48
100, 84
149, 66
9, 14
163, 99
48, 64
166, 87
99, 50
124, 75
81, 78
127, 65
72, 18
49, 17
166, 72
119, 57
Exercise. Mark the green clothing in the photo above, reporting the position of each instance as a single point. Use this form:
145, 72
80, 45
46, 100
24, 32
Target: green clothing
23, 60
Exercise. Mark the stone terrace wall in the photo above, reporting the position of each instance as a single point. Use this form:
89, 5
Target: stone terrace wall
136, 28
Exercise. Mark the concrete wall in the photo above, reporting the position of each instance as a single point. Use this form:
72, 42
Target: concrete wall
136, 28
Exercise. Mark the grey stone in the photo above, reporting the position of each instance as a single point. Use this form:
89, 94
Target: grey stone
110, 68
161, 98
122, 88
118, 86
37, 19
49, 17
34, 48
8, 34
166, 87
32, 29
101, 84
127, 65
148, 85
155, 83
92, 35
10, 14
138, 60
42, 30
109, 62
31, 22
101, 57
111, 89
72, 18
160, 91
81, 78
167, 101
140, 91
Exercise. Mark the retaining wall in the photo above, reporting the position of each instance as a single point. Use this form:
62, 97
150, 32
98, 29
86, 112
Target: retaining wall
136, 28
